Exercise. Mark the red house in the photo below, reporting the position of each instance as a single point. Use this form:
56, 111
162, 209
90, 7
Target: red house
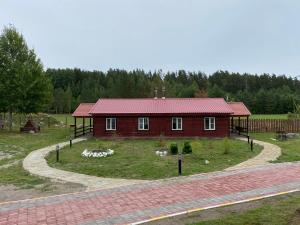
171, 117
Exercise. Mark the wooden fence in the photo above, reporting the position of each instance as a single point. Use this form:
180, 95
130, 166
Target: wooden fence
81, 131
270, 125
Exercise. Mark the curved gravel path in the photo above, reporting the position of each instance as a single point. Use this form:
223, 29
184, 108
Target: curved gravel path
270, 152
36, 164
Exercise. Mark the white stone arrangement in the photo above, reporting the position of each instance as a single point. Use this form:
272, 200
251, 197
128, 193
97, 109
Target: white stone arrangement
161, 153
97, 154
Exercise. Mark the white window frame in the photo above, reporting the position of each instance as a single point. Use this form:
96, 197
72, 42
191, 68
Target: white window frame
212, 123
110, 119
177, 119
143, 119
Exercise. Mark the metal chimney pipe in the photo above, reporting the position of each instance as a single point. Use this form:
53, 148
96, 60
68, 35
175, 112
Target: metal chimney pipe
163, 92
155, 93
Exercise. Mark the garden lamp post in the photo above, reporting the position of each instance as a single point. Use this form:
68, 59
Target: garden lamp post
57, 153
70, 141
179, 163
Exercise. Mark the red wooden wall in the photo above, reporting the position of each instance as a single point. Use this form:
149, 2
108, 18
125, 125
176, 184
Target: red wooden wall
192, 126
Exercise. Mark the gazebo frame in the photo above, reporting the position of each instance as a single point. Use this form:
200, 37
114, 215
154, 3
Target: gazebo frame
82, 112
239, 111
82, 130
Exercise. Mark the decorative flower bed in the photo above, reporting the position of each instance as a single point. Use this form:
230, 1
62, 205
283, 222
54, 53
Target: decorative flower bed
97, 153
161, 152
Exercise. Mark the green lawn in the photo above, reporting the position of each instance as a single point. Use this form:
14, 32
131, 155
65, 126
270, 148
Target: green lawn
281, 212
269, 116
290, 148
69, 120
136, 158
18, 145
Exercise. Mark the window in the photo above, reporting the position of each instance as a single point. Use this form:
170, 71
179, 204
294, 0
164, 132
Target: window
176, 123
110, 123
143, 123
209, 123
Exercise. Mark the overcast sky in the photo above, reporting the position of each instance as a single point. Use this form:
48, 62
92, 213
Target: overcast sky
253, 36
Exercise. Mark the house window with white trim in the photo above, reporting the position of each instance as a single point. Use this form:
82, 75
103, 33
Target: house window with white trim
209, 123
143, 123
110, 123
176, 123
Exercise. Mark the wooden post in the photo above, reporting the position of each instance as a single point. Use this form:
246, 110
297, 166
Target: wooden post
248, 125
239, 125
83, 118
75, 127
232, 124
90, 124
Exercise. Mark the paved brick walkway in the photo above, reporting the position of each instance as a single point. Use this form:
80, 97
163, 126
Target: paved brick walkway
139, 202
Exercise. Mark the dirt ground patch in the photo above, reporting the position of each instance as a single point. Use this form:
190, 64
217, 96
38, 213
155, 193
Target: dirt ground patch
12, 193
221, 212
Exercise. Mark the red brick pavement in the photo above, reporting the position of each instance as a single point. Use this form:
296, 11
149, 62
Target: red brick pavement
139, 202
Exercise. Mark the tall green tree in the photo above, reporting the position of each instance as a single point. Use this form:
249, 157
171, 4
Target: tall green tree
24, 88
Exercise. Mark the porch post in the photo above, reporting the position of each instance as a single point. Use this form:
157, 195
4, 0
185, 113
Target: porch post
90, 124
247, 125
75, 127
83, 125
239, 125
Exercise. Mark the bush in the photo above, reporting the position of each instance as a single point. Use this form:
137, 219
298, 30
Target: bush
174, 149
226, 146
187, 148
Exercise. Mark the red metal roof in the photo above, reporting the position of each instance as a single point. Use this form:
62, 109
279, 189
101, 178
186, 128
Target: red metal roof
239, 109
83, 110
161, 106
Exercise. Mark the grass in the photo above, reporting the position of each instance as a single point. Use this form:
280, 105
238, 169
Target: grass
68, 119
136, 159
280, 212
17, 145
64, 118
290, 148
269, 116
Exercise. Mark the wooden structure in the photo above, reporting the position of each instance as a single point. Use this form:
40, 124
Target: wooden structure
272, 125
30, 126
171, 117
240, 111
82, 112
192, 125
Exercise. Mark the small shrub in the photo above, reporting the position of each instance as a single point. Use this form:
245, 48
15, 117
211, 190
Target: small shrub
187, 148
174, 148
226, 145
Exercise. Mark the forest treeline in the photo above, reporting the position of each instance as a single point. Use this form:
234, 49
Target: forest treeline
263, 94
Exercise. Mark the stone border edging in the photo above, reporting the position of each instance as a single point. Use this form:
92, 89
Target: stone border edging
36, 164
